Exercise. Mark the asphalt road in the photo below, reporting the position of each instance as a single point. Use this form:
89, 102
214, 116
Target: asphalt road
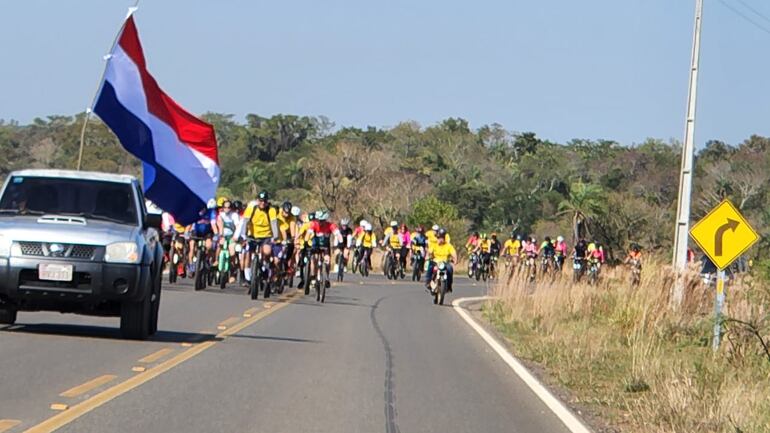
377, 357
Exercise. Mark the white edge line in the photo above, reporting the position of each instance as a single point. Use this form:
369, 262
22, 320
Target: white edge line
572, 422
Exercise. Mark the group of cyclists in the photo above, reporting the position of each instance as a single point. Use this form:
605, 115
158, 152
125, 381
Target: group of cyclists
265, 247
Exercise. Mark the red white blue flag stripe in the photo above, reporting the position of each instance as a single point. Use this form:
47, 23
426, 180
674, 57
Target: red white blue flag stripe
178, 150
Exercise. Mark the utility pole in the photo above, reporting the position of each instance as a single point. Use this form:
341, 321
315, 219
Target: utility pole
685, 176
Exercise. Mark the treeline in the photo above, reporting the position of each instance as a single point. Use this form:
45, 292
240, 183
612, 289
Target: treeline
488, 179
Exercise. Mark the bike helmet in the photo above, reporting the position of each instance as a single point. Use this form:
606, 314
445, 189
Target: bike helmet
548, 239
237, 205
286, 206
295, 210
263, 195
560, 239
221, 201
311, 216
394, 223
322, 215
363, 224
518, 237
483, 236
212, 204
435, 227
441, 233
344, 221
368, 227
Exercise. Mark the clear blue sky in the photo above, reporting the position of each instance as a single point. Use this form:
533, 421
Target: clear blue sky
614, 69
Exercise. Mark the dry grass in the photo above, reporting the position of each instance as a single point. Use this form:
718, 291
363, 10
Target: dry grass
640, 365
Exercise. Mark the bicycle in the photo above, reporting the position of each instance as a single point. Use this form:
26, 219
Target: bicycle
363, 263
202, 264
262, 271
223, 264
341, 263
320, 276
418, 263
392, 265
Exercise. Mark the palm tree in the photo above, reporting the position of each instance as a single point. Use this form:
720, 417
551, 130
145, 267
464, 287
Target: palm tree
586, 202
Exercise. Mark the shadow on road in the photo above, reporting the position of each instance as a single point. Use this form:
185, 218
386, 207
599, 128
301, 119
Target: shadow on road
104, 332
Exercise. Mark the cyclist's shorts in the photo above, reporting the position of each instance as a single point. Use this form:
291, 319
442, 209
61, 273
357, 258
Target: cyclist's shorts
255, 244
202, 230
321, 242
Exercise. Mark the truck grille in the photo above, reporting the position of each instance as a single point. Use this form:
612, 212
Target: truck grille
31, 248
43, 249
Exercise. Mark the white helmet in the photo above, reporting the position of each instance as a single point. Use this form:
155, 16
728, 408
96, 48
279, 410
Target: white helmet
322, 215
212, 204
344, 221
368, 227
363, 224
295, 210
394, 223
560, 239
435, 227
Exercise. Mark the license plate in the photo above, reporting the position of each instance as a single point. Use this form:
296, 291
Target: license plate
53, 272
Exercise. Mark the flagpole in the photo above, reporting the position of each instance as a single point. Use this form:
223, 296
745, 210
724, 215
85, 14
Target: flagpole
107, 57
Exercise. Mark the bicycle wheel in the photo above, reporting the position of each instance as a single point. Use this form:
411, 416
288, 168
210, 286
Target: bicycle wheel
255, 277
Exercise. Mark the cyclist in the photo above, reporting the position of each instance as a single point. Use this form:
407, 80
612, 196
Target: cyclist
547, 249
483, 248
320, 233
366, 240
204, 228
345, 243
441, 252
392, 241
530, 251
261, 225
287, 228
494, 253
472, 241
511, 247
406, 244
561, 251
634, 255
227, 221
419, 242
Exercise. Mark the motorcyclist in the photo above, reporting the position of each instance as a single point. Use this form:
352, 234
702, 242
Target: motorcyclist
442, 252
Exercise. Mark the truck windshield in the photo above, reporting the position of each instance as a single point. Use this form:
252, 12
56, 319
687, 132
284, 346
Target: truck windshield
90, 199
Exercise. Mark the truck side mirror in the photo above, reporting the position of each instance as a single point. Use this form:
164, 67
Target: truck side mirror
153, 220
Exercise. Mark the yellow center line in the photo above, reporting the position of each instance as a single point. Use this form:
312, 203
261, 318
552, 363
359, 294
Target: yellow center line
7, 424
61, 419
88, 386
156, 356
231, 321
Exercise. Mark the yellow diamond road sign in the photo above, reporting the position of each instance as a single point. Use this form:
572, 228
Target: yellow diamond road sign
724, 234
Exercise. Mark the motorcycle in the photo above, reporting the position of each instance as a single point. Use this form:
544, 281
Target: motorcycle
439, 283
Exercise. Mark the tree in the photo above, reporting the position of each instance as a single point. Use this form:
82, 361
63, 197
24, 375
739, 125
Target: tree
585, 203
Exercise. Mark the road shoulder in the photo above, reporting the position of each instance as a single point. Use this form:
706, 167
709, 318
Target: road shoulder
575, 417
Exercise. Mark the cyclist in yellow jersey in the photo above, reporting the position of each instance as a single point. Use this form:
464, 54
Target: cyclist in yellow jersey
430, 235
260, 225
287, 228
366, 240
302, 246
392, 243
441, 252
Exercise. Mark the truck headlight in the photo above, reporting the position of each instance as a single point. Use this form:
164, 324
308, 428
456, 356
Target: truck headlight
5, 246
122, 252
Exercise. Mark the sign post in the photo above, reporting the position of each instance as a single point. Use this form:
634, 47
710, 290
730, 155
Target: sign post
723, 235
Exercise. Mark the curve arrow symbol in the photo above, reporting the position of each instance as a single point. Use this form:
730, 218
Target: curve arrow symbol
720, 234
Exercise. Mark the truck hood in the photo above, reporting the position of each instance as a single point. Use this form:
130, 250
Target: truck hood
65, 230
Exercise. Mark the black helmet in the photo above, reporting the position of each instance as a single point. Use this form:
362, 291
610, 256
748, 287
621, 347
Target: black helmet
311, 216
237, 205
548, 239
286, 206
441, 233
263, 195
